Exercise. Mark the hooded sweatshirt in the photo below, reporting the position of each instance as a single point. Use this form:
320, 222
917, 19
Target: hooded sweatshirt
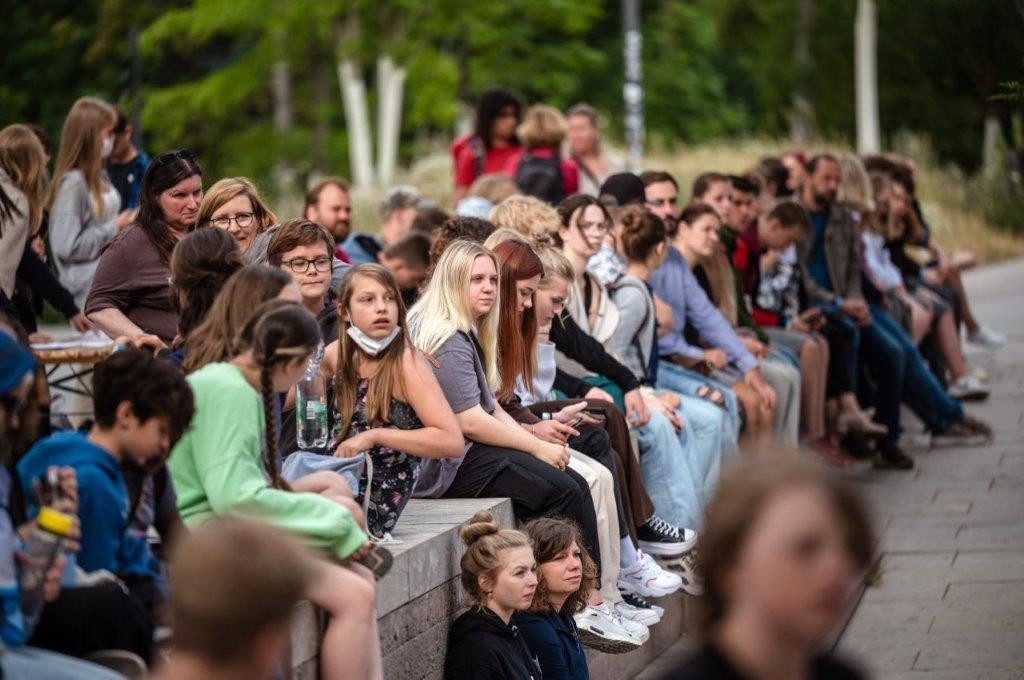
482, 647
107, 543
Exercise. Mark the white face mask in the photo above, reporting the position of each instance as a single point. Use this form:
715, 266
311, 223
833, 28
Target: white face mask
368, 344
108, 147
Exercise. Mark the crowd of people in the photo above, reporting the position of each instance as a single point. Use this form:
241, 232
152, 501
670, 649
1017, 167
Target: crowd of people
591, 343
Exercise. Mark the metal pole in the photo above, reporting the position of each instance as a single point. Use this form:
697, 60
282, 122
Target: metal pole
632, 88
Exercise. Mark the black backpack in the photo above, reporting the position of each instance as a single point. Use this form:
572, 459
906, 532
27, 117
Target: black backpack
541, 177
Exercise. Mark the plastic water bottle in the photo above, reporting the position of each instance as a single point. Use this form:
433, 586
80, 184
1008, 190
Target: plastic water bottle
311, 406
42, 546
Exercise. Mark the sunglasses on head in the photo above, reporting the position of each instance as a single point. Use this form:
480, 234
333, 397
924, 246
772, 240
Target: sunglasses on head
171, 156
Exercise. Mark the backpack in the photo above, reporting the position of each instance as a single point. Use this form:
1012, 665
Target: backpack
541, 177
476, 145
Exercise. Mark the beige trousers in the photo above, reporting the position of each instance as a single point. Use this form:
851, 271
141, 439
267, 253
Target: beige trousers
601, 490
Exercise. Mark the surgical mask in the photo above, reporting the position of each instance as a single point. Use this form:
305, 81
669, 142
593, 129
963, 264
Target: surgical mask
368, 344
108, 147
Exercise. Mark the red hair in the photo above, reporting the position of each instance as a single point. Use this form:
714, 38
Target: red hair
517, 333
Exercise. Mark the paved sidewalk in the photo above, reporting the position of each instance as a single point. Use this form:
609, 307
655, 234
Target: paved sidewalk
950, 601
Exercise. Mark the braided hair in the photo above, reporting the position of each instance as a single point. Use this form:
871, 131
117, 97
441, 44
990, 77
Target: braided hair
278, 332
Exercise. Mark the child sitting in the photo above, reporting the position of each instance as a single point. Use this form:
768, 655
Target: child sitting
407, 260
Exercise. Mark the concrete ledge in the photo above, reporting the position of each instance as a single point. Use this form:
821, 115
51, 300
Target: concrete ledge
418, 598
679, 609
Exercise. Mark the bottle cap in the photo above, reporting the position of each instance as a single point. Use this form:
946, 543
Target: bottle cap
54, 521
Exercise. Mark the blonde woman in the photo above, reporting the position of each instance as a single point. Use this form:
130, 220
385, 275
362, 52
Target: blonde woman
541, 171
456, 322
234, 204
22, 191
85, 208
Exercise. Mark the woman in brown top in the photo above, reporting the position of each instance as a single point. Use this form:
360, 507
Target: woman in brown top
130, 292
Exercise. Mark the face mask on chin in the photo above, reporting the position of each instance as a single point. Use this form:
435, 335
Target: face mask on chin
368, 344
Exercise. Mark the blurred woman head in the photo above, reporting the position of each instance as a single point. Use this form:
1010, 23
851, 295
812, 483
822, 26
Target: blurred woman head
566, 574
643, 236
457, 229
234, 204
498, 569
497, 117
531, 217
85, 141
543, 127
521, 271
855, 185
782, 547
23, 160
169, 199
201, 264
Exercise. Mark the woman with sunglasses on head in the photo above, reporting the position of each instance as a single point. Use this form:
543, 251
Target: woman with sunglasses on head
130, 292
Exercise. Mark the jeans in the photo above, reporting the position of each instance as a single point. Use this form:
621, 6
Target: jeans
30, 662
707, 423
922, 392
677, 379
665, 460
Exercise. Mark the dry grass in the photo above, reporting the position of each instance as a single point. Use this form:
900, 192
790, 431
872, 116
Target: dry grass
943, 190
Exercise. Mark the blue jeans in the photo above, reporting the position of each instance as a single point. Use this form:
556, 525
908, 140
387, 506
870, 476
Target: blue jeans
902, 375
32, 662
707, 423
665, 461
677, 379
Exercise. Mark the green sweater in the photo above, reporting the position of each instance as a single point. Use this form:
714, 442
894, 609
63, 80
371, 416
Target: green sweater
217, 468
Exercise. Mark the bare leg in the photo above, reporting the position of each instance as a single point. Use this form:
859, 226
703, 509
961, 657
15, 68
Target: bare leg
324, 482
954, 282
920, 318
813, 375
351, 644
949, 346
759, 416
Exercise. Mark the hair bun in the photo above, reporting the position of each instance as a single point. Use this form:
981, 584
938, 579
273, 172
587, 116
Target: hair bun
632, 218
479, 525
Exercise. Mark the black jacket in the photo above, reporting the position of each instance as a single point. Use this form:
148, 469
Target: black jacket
482, 647
573, 342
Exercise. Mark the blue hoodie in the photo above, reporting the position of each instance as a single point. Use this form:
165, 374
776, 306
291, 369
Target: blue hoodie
103, 508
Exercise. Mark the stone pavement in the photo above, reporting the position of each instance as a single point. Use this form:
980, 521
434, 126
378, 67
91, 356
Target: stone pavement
950, 599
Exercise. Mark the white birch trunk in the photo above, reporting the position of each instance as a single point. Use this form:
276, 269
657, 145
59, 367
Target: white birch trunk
866, 77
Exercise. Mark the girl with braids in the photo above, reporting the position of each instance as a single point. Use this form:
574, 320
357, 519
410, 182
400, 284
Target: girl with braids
374, 366
227, 463
130, 290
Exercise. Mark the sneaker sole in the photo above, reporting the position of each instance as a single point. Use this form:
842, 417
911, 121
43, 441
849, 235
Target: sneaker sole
668, 549
971, 395
606, 645
648, 618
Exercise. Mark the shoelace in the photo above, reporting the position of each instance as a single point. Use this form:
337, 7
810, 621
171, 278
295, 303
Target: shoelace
635, 600
664, 528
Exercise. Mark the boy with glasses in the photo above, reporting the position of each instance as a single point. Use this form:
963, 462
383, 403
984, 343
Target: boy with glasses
305, 250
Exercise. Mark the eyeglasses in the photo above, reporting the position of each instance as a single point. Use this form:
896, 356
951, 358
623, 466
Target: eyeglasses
658, 202
300, 265
242, 220
171, 156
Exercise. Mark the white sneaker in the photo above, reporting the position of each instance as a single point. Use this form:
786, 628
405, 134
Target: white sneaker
967, 388
646, 578
600, 630
635, 600
685, 567
628, 612
986, 337
636, 630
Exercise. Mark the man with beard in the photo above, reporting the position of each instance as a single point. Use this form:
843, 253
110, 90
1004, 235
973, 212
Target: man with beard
328, 204
831, 264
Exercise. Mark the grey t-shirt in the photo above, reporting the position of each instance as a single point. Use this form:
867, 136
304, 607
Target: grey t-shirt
460, 372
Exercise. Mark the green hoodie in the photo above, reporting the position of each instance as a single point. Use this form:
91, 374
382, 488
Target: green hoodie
217, 468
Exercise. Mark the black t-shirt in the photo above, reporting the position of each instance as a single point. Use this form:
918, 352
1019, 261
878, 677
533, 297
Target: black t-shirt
708, 663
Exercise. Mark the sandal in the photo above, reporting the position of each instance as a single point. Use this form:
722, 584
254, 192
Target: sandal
709, 393
378, 560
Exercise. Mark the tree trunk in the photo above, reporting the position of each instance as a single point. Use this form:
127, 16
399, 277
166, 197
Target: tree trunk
281, 87
390, 83
866, 77
803, 103
353, 96
990, 145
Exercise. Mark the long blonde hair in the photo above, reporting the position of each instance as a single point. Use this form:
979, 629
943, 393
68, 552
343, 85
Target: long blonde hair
229, 188
81, 148
855, 190
443, 309
23, 158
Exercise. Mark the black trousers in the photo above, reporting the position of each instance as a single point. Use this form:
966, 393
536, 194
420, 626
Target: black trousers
85, 620
536, 489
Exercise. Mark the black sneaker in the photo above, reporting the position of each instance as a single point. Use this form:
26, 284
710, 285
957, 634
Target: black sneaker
658, 537
858, 446
890, 456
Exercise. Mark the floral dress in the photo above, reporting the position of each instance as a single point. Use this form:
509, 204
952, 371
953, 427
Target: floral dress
394, 472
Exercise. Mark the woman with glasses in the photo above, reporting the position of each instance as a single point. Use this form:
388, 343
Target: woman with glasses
304, 249
234, 205
130, 292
